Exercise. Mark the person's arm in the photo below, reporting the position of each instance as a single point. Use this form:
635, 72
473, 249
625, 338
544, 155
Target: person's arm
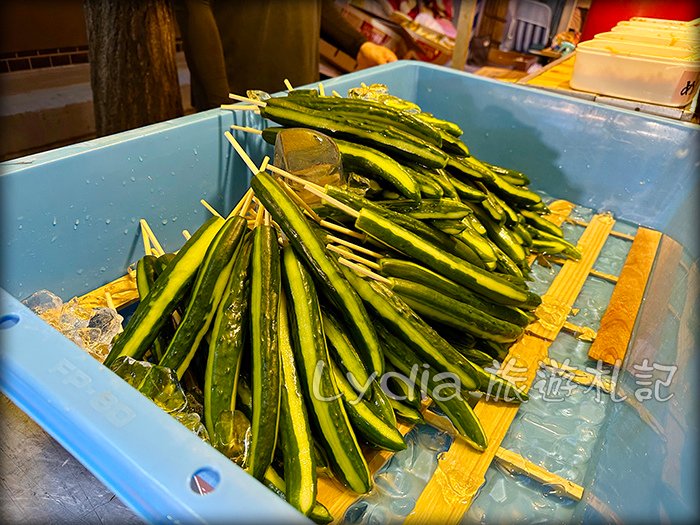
338, 31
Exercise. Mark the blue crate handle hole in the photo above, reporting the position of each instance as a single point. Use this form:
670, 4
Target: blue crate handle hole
7, 321
204, 481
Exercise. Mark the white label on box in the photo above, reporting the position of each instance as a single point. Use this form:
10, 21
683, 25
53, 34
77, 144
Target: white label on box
688, 84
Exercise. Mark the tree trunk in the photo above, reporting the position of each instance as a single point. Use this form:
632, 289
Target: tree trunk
133, 72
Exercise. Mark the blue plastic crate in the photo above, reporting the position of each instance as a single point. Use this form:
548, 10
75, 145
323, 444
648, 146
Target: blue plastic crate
69, 223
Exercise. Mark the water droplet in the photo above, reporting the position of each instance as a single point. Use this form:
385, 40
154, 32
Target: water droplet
126, 231
54, 222
164, 222
108, 221
80, 271
133, 179
87, 181
195, 151
19, 227
103, 269
53, 239
140, 158
174, 218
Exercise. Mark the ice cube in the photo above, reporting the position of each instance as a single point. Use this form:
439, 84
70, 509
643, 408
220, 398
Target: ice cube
232, 436
193, 422
41, 301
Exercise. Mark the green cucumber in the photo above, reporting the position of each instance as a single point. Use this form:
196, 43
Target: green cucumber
453, 405
297, 441
538, 221
228, 336
452, 312
514, 177
207, 291
429, 188
372, 427
146, 273
320, 389
386, 138
368, 161
167, 291
265, 282
467, 192
406, 324
369, 110
501, 236
408, 413
273, 481
342, 349
445, 125
430, 208
398, 268
324, 268
481, 281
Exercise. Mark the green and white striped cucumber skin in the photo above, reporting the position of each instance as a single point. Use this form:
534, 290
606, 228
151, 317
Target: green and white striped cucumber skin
431, 209
464, 273
407, 412
539, 222
342, 349
369, 161
372, 111
479, 245
501, 236
146, 274
429, 188
349, 361
455, 313
320, 388
466, 192
273, 481
228, 338
451, 403
206, 293
441, 177
403, 321
147, 271
357, 202
510, 175
569, 249
387, 138
265, 286
169, 288
295, 431
324, 268
445, 125
398, 389
372, 427
411, 271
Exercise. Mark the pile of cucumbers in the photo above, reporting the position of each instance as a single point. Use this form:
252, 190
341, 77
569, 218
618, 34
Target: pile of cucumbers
309, 338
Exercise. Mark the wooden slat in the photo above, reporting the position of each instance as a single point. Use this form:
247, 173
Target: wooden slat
618, 321
462, 469
557, 302
516, 462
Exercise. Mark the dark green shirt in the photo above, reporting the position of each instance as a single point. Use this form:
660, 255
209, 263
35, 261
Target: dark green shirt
266, 41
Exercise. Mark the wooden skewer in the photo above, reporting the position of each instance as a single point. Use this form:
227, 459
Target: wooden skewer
239, 149
301, 202
186, 234
261, 213
266, 217
363, 271
352, 256
336, 94
241, 107
210, 208
336, 203
152, 235
355, 247
245, 207
241, 98
343, 230
321, 90
147, 250
237, 208
288, 85
247, 129
264, 163
283, 173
